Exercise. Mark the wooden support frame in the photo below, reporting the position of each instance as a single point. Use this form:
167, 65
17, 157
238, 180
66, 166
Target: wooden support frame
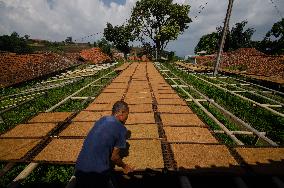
239, 132
252, 92
240, 96
272, 90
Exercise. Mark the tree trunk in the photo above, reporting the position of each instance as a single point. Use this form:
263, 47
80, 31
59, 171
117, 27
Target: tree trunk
158, 48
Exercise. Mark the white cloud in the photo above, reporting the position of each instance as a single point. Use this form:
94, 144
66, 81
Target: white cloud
55, 20
260, 15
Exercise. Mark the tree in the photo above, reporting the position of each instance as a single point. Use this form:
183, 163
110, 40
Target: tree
120, 36
68, 40
14, 43
27, 37
274, 40
148, 50
104, 46
208, 43
240, 38
159, 21
236, 38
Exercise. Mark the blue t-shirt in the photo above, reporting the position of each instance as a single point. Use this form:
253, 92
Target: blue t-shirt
96, 152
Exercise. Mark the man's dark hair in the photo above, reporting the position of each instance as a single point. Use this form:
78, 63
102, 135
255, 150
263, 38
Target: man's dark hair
120, 106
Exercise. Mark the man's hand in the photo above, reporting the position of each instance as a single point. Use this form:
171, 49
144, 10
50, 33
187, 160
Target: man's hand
127, 169
118, 161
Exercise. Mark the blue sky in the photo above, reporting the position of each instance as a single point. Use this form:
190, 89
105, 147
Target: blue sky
120, 2
57, 19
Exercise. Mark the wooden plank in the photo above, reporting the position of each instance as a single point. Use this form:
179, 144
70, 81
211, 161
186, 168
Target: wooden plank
143, 131
60, 150
174, 109
139, 95
99, 107
77, 129
138, 100
171, 101
15, 149
30, 130
141, 118
108, 98
90, 116
169, 91
134, 108
264, 160
144, 154
50, 117
189, 134
117, 86
167, 96
113, 90
203, 157
181, 120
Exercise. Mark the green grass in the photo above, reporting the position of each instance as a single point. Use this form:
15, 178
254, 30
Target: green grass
71, 106
50, 175
11, 174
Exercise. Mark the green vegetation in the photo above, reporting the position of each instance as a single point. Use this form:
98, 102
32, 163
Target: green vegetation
259, 118
159, 21
120, 36
51, 175
236, 38
15, 43
208, 43
273, 43
24, 45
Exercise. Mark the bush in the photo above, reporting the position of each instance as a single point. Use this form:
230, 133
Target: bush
14, 43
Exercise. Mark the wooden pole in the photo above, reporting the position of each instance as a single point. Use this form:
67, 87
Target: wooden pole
225, 29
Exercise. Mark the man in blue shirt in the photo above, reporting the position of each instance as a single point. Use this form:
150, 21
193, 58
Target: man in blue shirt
101, 149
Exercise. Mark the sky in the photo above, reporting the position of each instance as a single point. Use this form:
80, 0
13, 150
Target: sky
55, 20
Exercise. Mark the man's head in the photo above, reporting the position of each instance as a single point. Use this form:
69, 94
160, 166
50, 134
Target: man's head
120, 110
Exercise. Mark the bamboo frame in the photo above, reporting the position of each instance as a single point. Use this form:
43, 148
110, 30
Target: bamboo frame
244, 125
240, 96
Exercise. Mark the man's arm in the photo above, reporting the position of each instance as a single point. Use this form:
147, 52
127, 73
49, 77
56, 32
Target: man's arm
115, 157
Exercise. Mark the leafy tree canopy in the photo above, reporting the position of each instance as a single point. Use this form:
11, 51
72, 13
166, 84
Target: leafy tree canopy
68, 40
236, 38
159, 21
105, 46
240, 38
14, 43
208, 43
273, 43
120, 36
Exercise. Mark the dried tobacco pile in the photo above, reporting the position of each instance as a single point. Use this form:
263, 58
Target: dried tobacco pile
15, 149
52, 117
61, 150
30, 130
